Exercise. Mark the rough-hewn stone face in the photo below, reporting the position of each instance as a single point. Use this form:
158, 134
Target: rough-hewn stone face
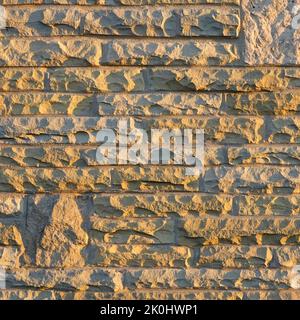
97, 52
270, 38
139, 22
151, 104
73, 228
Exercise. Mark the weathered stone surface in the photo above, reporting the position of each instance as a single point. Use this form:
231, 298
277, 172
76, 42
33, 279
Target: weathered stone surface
145, 21
134, 79
53, 180
97, 179
83, 130
269, 36
152, 295
137, 255
46, 103
168, 178
251, 180
262, 103
71, 228
150, 104
173, 79
81, 156
285, 155
132, 230
10, 256
218, 256
12, 204
161, 205
159, 104
284, 130
194, 204
232, 79
246, 257
253, 103
96, 52
93, 80
115, 280
65, 279
167, 205
10, 235
268, 205
22, 79
250, 231
63, 238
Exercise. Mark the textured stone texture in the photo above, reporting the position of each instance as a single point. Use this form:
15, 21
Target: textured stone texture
150, 104
97, 179
135, 79
247, 180
83, 130
194, 204
114, 280
96, 52
139, 22
71, 228
171, 79
270, 38
59, 156
154, 294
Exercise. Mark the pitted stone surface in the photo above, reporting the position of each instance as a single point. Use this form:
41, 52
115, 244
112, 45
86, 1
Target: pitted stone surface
191, 21
269, 36
96, 52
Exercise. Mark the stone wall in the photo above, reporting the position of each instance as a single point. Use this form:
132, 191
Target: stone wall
73, 229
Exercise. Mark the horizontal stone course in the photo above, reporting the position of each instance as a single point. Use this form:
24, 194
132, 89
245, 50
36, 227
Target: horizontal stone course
59, 156
88, 51
150, 104
194, 205
22, 79
134, 79
251, 180
167, 205
187, 21
172, 79
114, 280
147, 256
225, 179
196, 231
282, 154
152, 295
218, 256
84, 130
175, 205
96, 180
152, 231
213, 231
